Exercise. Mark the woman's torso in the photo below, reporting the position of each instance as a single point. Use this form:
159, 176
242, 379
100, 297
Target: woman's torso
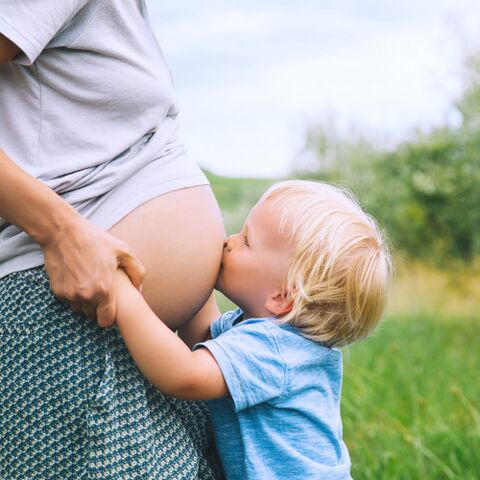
94, 118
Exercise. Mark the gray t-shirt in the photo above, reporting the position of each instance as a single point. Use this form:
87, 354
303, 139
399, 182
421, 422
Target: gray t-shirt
89, 110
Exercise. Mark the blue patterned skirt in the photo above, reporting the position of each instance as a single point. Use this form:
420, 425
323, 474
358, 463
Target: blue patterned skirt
73, 405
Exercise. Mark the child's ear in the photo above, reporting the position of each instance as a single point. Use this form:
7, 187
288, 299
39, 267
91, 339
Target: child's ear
279, 303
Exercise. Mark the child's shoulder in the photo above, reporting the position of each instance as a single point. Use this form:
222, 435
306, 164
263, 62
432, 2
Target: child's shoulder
269, 333
242, 333
309, 364
294, 345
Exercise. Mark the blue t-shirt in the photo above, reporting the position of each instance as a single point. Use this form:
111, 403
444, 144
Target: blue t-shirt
282, 418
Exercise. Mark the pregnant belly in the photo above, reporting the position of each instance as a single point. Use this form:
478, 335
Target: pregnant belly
178, 237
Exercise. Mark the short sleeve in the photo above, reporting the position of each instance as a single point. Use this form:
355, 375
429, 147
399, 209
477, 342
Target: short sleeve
251, 364
32, 24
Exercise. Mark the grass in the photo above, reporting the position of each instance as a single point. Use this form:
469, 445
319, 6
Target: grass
410, 402
421, 288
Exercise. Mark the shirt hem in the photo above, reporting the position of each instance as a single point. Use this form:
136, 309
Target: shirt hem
35, 258
149, 194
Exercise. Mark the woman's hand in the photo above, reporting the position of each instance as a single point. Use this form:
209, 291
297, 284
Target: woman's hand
81, 262
81, 259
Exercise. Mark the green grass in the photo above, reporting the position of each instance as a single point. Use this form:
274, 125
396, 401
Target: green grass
410, 401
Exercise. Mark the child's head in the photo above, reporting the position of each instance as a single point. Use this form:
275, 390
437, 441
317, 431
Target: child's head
309, 255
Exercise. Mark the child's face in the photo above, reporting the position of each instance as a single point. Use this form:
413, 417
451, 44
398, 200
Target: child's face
255, 261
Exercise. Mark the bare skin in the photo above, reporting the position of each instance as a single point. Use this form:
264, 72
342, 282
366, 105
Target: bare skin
179, 239
8, 50
81, 259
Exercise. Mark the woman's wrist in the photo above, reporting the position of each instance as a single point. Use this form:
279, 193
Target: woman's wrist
63, 221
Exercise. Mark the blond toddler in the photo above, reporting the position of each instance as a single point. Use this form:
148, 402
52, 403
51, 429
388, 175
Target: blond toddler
309, 273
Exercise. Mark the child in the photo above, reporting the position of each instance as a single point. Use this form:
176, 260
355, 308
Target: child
309, 273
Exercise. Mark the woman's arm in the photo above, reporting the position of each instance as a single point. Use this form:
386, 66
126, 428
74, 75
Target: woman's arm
80, 258
160, 354
24, 201
8, 50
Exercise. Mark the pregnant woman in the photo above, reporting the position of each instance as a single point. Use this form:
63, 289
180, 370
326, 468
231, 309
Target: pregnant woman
93, 177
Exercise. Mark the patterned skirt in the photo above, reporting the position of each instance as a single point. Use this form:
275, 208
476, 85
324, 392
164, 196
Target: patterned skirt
73, 405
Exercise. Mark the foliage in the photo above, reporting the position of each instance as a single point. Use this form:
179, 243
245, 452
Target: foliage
426, 191
236, 197
436, 182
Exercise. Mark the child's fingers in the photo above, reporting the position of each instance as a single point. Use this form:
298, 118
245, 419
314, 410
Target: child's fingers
132, 266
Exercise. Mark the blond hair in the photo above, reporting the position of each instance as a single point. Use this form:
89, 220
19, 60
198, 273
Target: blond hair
341, 263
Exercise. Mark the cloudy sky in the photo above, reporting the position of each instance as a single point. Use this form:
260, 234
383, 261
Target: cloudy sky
252, 75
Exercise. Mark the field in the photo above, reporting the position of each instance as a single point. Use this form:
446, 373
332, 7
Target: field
410, 401
411, 394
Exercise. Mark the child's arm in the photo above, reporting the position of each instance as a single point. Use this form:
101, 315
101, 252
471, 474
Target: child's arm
198, 329
160, 354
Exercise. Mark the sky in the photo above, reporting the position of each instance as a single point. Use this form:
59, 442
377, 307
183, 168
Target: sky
251, 76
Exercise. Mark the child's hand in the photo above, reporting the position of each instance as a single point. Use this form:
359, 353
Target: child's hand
126, 293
